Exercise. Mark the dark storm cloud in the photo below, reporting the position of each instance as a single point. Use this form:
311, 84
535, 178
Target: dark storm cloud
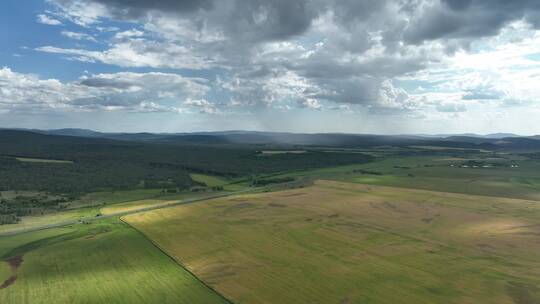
260, 20
450, 19
253, 20
263, 20
458, 5
353, 11
132, 9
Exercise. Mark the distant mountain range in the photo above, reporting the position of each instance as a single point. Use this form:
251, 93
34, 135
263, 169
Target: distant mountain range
473, 141
493, 136
243, 133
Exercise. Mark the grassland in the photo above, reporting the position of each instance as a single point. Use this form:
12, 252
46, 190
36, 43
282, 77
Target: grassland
348, 243
437, 173
43, 160
87, 206
218, 181
31, 222
160, 201
115, 197
275, 152
107, 262
209, 180
135, 205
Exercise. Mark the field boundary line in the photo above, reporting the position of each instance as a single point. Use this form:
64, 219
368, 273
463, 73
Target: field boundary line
176, 261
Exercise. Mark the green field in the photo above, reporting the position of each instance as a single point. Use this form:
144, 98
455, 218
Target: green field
218, 181
209, 180
115, 197
436, 173
87, 206
107, 262
32, 222
349, 243
92, 204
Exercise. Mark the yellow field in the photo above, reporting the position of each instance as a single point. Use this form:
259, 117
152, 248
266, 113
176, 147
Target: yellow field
348, 243
131, 206
139, 204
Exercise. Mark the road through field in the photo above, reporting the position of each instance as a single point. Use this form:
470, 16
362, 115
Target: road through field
119, 214
144, 209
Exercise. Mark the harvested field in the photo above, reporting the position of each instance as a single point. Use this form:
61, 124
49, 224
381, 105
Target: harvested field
338, 242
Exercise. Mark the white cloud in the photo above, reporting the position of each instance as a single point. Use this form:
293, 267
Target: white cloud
203, 105
310, 103
496, 73
78, 36
45, 19
128, 34
136, 92
451, 107
81, 12
138, 52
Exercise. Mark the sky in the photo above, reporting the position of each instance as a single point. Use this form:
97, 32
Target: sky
352, 66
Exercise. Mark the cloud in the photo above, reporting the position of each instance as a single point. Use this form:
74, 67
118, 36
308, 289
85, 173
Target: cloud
449, 107
455, 19
310, 53
78, 36
310, 103
147, 92
483, 95
128, 34
138, 52
45, 19
133, 9
204, 106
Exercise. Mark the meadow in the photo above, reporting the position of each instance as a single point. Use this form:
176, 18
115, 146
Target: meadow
43, 160
209, 180
441, 172
337, 242
105, 262
87, 206
163, 200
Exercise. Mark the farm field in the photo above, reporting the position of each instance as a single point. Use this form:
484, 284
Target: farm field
30, 222
161, 201
337, 242
218, 181
115, 197
102, 203
105, 262
87, 206
135, 205
209, 180
436, 173
43, 160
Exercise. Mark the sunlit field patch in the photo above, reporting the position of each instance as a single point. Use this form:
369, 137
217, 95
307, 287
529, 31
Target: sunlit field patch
107, 262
